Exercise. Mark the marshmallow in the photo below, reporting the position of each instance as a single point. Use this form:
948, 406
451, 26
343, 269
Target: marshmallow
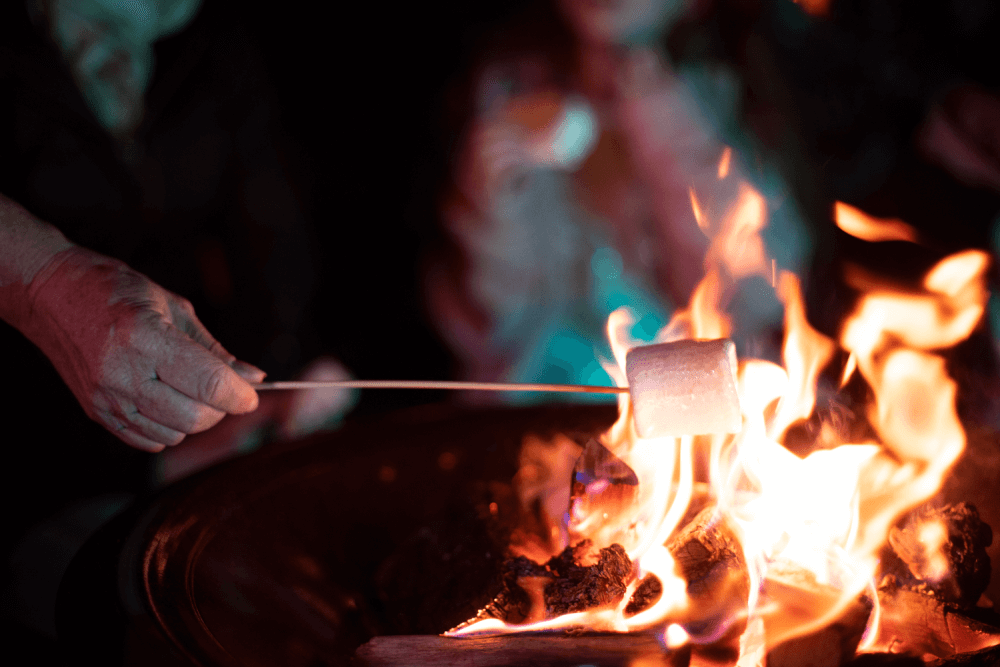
687, 387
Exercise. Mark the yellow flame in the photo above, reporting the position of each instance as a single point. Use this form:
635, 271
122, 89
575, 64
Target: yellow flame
805, 353
810, 528
739, 247
933, 536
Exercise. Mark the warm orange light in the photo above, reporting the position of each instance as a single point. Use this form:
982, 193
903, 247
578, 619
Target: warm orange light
860, 225
699, 217
810, 528
727, 155
815, 7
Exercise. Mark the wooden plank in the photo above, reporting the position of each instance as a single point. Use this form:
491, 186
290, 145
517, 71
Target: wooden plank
520, 650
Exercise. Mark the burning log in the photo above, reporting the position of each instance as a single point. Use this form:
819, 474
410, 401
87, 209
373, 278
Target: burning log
565, 584
602, 497
831, 646
707, 554
935, 570
920, 625
941, 552
710, 559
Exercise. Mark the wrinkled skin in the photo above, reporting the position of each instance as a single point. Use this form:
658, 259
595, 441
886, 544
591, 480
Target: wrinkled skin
134, 354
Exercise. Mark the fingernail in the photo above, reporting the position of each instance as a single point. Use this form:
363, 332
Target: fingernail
248, 372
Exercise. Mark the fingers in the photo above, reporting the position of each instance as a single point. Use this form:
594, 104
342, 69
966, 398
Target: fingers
187, 322
154, 431
167, 406
139, 442
199, 374
161, 416
129, 433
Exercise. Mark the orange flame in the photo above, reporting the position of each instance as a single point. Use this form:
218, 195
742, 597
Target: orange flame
727, 155
811, 527
699, 217
860, 225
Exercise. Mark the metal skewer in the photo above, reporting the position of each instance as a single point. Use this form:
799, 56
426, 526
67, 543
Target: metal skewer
441, 384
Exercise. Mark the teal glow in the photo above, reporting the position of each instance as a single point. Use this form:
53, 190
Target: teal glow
613, 289
89, 33
993, 306
571, 345
576, 134
565, 356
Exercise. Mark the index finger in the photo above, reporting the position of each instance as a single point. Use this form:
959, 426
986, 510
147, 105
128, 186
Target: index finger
187, 322
197, 373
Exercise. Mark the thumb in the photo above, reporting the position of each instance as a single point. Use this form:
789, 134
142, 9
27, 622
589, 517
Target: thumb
197, 373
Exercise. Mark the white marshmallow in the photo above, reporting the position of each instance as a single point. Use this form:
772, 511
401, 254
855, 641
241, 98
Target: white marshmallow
687, 387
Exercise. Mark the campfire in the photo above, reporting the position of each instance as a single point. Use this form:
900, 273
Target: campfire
799, 535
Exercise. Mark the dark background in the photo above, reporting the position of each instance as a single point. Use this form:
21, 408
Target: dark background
362, 91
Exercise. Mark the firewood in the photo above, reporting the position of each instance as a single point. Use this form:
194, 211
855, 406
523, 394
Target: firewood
564, 584
831, 646
603, 495
957, 571
919, 624
519, 650
987, 657
710, 559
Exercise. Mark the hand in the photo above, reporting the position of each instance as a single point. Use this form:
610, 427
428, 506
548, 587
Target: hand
135, 355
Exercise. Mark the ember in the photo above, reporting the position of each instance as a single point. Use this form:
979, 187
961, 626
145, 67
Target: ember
563, 585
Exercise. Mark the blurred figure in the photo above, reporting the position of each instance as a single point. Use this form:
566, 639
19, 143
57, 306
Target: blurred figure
572, 193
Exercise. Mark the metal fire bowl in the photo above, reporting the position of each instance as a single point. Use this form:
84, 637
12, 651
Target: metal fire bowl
281, 557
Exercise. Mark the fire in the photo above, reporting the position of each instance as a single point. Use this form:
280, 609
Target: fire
859, 224
809, 527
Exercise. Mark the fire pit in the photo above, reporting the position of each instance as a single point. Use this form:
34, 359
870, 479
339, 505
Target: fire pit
295, 556
299, 555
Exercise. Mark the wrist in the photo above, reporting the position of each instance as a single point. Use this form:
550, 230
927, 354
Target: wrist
27, 247
64, 295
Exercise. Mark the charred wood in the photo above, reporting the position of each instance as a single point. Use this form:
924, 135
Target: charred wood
832, 646
710, 559
566, 583
646, 594
886, 660
918, 624
956, 571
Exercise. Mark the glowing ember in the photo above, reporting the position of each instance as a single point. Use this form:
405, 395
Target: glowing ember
809, 529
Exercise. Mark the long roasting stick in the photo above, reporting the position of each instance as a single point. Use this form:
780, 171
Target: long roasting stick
442, 384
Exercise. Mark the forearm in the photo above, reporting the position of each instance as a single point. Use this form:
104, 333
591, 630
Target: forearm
27, 245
